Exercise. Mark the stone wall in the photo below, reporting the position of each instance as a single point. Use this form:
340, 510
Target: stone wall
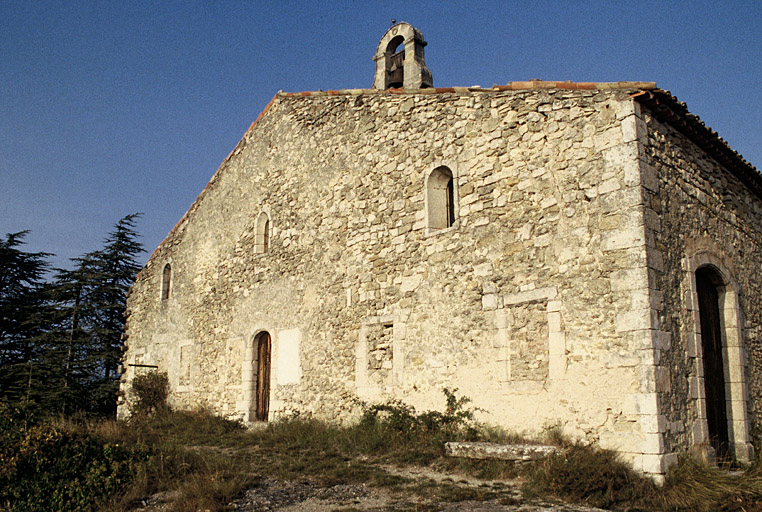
535, 303
697, 213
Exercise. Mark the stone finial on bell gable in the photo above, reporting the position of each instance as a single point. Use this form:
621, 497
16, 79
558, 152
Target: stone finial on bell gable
399, 59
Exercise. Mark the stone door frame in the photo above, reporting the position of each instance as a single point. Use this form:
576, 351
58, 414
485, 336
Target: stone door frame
731, 331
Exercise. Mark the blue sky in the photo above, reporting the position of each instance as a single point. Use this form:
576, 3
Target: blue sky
109, 108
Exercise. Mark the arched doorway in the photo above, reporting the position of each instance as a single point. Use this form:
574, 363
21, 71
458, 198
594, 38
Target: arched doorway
708, 283
263, 346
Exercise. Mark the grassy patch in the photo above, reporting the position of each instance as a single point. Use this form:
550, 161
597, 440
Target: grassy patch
204, 462
587, 474
694, 486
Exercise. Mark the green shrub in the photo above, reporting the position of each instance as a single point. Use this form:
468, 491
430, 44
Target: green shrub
60, 469
402, 419
150, 392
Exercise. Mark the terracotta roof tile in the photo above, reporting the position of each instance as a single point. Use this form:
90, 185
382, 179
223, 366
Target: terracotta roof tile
668, 109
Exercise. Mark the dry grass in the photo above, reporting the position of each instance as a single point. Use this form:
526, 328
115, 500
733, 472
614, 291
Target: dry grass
205, 462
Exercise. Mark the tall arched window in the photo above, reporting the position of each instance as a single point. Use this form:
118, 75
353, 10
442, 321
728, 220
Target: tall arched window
166, 281
440, 198
262, 237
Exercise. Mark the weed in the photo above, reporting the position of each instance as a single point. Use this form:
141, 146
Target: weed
403, 435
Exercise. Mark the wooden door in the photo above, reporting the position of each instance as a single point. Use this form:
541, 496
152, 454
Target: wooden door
714, 374
264, 348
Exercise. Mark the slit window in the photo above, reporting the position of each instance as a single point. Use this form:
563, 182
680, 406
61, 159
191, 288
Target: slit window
166, 281
262, 238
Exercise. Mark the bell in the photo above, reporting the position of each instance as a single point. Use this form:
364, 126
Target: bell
396, 77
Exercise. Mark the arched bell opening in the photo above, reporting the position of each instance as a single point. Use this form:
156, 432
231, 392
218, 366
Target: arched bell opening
395, 62
400, 60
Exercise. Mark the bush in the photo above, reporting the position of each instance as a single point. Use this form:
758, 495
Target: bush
402, 419
60, 469
403, 435
150, 392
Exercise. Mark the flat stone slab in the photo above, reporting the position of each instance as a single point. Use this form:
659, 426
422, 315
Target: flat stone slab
515, 452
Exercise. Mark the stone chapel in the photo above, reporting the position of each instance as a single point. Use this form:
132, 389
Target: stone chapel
587, 255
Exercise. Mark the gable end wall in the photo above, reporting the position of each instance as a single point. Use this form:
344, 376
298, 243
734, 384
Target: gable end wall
535, 304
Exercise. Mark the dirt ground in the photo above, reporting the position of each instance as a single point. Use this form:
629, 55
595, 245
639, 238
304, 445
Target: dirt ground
305, 495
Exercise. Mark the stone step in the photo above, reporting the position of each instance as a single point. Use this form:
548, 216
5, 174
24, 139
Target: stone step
515, 452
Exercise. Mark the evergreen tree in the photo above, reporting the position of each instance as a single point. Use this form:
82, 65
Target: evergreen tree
61, 343
69, 344
23, 317
114, 269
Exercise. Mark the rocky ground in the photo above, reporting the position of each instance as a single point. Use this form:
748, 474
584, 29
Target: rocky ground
305, 495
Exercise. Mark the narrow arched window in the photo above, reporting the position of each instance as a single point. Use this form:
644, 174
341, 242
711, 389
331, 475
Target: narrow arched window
166, 281
440, 198
262, 237
266, 237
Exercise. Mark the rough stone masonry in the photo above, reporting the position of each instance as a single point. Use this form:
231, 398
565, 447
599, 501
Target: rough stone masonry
585, 255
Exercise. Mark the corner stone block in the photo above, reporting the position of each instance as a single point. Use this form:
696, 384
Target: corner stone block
653, 443
650, 177
633, 320
617, 155
654, 463
629, 129
627, 108
655, 260
653, 424
630, 279
663, 381
648, 404
663, 340
623, 239
642, 340
622, 441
